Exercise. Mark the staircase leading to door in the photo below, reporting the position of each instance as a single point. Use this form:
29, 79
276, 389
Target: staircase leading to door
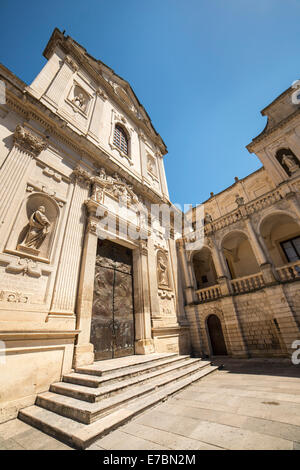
96, 399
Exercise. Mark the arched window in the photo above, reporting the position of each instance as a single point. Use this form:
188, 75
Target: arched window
120, 139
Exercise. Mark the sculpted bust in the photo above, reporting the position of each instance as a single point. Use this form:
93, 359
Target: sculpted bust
38, 229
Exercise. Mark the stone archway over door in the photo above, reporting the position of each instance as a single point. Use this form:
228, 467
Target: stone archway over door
216, 336
112, 327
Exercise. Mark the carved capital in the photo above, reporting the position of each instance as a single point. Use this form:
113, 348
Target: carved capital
28, 142
71, 63
143, 247
101, 93
81, 176
92, 226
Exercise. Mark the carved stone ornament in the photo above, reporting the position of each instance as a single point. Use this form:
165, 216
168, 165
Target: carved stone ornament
143, 247
16, 297
71, 63
81, 176
164, 294
239, 200
115, 186
25, 266
28, 142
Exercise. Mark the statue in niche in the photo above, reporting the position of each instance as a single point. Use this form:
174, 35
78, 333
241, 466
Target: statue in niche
290, 163
207, 218
80, 100
239, 200
38, 229
162, 271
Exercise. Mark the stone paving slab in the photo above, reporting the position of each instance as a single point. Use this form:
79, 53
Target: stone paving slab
247, 405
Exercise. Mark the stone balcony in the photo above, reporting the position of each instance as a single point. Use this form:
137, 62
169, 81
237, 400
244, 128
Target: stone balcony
283, 274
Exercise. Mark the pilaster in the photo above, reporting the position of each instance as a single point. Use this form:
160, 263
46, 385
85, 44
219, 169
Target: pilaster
143, 333
65, 289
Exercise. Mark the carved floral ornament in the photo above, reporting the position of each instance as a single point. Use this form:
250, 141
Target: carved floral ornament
115, 186
25, 140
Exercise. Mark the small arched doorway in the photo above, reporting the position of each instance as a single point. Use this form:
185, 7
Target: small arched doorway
216, 336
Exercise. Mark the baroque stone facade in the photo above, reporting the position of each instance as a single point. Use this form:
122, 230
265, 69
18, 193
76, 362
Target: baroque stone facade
80, 162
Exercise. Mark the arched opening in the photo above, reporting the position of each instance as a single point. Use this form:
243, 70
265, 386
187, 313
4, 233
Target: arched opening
239, 255
281, 235
216, 336
204, 269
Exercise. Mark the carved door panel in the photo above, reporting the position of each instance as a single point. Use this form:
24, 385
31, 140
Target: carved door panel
112, 329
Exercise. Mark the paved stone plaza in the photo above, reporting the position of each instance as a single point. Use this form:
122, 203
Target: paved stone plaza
249, 404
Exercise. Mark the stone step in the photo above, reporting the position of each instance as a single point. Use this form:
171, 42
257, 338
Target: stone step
81, 435
122, 381
87, 413
111, 366
86, 393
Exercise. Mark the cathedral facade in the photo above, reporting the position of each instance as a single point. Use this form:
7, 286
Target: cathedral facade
90, 268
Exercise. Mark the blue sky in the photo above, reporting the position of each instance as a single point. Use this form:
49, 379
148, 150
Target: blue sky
203, 69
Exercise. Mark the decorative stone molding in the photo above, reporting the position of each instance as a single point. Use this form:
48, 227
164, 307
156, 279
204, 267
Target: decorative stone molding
11, 296
81, 176
71, 63
52, 174
164, 294
92, 226
143, 247
32, 187
28, 142
100, 92
114, 186
25, 266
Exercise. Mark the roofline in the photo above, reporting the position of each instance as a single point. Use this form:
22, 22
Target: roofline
229, 187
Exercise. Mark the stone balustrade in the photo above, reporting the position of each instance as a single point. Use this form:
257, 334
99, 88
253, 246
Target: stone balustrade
245, 210
289, 272
247, 283
209, 293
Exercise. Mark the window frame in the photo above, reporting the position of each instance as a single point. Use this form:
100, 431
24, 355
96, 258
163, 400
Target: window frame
294, 247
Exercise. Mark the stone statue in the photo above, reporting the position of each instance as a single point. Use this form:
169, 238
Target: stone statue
207, 218
80, 101
38, 229
239, 200
289, 161
162, 270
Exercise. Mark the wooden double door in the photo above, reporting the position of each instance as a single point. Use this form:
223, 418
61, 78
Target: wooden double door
112, 327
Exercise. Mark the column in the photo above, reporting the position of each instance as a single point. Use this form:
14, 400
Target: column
61, 80
188, 285
26, 147
265, 266
143, 155
66, 281
143, 332
221, 268
84, 350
